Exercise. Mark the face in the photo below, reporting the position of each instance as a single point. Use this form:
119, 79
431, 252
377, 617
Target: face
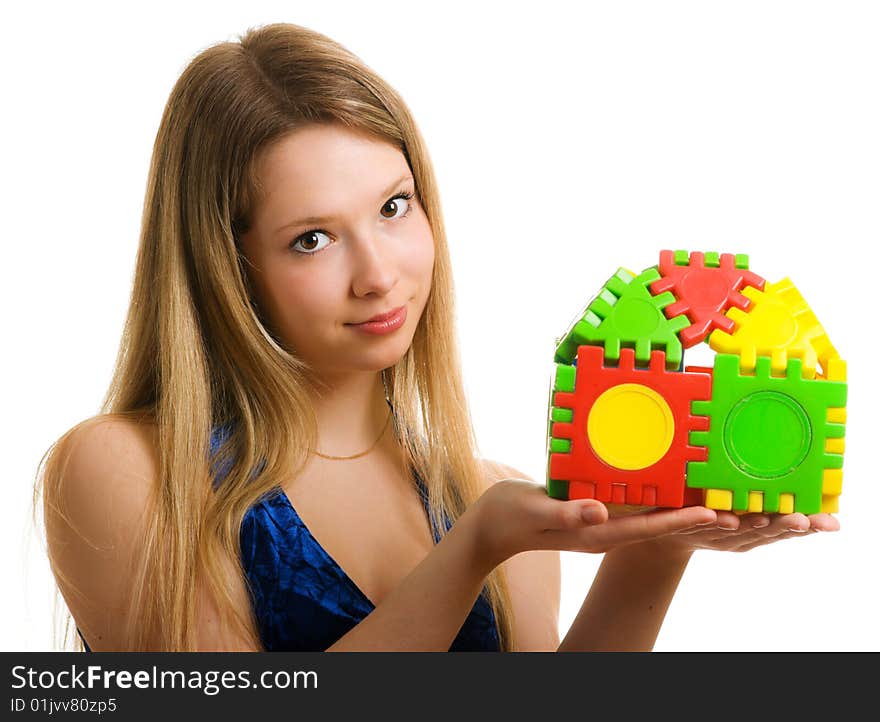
338, 238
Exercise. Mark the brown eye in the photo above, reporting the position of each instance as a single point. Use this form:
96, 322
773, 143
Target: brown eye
400, 201
310, 242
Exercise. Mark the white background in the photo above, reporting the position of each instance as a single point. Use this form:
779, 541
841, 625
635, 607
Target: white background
569, 139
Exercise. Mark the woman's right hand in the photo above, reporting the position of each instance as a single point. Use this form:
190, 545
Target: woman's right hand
514, 516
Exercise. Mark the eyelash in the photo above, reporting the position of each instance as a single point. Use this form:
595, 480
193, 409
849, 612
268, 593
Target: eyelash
402, 194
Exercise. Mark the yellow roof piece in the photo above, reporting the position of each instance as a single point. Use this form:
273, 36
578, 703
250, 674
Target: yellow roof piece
781, 325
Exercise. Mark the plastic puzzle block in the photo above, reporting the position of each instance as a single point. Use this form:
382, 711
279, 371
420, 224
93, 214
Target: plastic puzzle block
626, 314
626, 440
748, 411
760, 431
780, 325
705, 286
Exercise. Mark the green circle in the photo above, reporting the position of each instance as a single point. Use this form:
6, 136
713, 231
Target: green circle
635, 317
767, 434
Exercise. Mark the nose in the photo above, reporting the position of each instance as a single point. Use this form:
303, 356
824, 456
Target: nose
375, 271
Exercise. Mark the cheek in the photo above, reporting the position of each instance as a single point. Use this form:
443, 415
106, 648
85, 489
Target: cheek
299, 299
420, 258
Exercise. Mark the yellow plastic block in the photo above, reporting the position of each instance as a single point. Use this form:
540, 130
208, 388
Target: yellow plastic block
756, 501
834, 446
786, 503
778, 324
832, 481
835, 369
830, 504
719, 499
837, 415
826, 353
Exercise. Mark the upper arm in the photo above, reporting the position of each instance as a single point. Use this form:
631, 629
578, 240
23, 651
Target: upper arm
534, 580
95, 525
95, 521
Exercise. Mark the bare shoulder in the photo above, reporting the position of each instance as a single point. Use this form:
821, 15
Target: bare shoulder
109, 455
107, 468
534, 580
94, 504
96, 518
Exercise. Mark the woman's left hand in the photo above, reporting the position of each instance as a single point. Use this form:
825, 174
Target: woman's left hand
740, 533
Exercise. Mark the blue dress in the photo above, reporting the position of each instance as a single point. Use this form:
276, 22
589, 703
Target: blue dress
302, 599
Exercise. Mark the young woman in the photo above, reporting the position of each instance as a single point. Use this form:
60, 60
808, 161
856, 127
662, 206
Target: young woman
284, 459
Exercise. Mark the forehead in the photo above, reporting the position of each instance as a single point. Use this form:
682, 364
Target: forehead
313, 167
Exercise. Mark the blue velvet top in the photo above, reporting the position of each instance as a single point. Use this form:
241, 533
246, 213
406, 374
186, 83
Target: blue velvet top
302, 599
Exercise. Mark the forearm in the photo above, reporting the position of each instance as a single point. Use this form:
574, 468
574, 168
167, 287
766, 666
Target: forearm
628, 600
427, 609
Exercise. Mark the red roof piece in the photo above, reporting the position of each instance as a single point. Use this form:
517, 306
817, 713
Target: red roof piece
704, 293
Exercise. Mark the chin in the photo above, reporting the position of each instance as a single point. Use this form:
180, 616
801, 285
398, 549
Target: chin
392, 358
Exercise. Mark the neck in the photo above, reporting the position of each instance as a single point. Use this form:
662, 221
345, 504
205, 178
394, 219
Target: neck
351, 412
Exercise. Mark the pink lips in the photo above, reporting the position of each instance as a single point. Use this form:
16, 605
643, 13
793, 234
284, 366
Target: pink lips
384, 323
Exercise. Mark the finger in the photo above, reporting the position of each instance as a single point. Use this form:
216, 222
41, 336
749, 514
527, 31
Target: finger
550, 514
757, 529
618, 531
641, 527
751, 527
728, 520
725, 543
726, 540
776, 524
732, 539
593, 512
824, 522
754, 521
780, 524
708, 520
770, 540
795, 522
699, 529
574, 514
740, 525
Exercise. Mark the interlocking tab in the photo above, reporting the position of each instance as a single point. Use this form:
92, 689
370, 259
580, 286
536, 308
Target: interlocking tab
705, 286
760, 431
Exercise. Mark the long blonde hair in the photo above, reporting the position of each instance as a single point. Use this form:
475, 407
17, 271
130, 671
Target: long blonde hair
195, 353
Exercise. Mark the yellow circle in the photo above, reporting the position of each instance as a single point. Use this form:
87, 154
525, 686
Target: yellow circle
630, 426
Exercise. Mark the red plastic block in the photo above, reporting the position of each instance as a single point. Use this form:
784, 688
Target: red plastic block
704, 293
589, 476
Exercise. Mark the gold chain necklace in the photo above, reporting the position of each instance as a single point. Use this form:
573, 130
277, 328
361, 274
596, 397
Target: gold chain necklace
363, 453
381, 433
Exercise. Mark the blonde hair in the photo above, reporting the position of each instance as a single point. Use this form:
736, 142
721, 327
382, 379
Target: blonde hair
195, 353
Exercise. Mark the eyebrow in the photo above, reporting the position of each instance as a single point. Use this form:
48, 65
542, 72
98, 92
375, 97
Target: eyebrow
320, 220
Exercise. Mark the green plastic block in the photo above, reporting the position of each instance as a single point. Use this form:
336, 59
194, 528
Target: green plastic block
562, 415
560, 446
557, 489
741, 260
767, 434
682, 258
626, 313
711, 260
565, 376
